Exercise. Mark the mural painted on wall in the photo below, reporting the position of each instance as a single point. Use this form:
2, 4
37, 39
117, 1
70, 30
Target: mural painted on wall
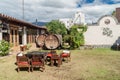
107, 32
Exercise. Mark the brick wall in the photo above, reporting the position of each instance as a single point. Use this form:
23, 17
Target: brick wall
118, 14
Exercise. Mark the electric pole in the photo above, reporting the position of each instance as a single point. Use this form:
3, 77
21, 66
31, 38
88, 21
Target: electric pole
23, 8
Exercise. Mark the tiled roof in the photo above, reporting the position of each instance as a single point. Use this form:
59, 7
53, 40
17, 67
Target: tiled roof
17, 21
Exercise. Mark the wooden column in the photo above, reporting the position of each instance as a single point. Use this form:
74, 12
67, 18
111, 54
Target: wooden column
17, 38
14, 38
30, 38
10, 36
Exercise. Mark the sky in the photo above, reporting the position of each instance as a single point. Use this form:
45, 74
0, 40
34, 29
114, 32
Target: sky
47, 10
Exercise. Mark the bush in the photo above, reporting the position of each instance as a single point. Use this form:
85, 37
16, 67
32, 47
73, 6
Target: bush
4, 48
76, 37
28, 46
66, 46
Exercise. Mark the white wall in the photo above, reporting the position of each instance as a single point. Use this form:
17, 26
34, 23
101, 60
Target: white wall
94, 34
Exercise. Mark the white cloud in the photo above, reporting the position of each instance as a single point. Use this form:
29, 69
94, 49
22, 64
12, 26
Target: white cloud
57, 4
93, 13
46, 10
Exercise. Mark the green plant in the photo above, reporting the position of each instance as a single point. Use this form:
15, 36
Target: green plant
76, 37
56, 27
28, 46
66, 45
4, 48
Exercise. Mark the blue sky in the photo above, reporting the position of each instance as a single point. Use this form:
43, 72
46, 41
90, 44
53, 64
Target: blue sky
47, 10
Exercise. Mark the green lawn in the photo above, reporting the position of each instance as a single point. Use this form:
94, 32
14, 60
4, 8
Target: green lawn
96, 64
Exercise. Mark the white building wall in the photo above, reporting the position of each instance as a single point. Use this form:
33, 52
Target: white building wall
102, 33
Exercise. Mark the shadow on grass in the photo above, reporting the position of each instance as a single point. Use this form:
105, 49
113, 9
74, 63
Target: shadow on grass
22, 69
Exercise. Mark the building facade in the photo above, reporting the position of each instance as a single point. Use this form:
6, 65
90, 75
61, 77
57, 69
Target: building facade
18, 32
105, 33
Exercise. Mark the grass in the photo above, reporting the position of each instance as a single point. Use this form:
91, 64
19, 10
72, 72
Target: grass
96, 64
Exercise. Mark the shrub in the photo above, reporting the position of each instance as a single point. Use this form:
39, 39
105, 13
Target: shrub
66, 46
4, 47
75, 36
28, 46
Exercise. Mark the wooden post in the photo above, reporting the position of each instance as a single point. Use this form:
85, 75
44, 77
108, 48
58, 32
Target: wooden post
17, 38
14, 40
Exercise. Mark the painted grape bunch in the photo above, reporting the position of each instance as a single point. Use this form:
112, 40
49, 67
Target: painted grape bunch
107, 32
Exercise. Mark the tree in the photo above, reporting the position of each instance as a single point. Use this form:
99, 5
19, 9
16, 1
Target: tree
76, 37
56, 27
72, 38
113, 13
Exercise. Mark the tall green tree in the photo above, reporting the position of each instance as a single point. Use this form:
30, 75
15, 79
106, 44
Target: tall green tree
56, 27
76, 37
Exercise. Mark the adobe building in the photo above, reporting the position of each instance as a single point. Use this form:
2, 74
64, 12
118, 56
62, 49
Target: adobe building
17, 31
105, 33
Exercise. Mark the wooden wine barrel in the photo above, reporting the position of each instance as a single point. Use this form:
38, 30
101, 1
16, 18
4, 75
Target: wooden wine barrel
40, 40
53, 41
